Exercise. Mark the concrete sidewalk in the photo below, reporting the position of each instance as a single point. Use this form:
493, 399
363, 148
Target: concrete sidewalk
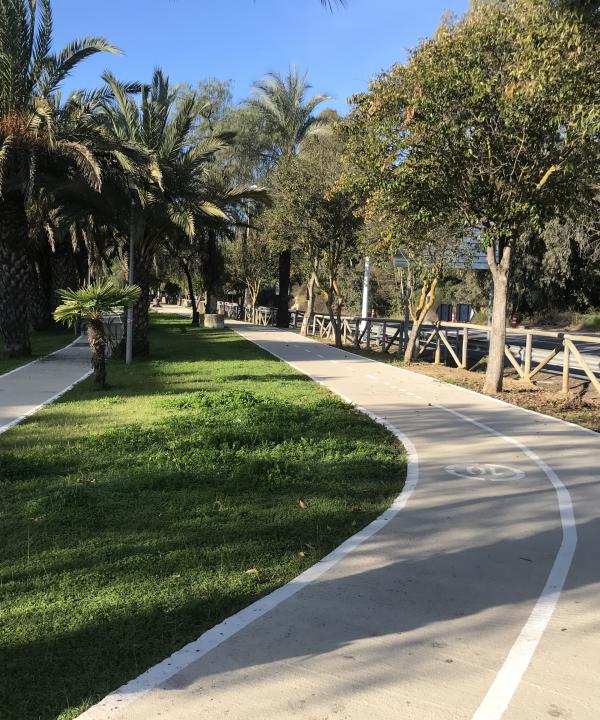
27, 388
476, 596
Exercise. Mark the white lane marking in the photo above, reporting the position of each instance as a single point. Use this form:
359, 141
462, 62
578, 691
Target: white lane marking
212, 638
371, 377
319, 355
306, 350
508, 678
511, 673
37, 360
33, 410
485, 471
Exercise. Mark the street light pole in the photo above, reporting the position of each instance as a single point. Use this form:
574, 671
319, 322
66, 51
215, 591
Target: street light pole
366, 284
129, 340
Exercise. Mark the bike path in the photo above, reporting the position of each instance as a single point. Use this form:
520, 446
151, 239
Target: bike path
476, 596
26, 389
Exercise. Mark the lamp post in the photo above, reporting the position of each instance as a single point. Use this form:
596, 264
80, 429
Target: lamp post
129, 340
366, 287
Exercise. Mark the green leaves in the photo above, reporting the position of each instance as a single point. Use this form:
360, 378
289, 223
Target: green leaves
93, 300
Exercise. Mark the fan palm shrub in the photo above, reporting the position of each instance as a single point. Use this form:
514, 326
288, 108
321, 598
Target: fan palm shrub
31, 137
91, 302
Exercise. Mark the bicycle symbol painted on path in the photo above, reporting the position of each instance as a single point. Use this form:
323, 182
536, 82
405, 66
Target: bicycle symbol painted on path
485, 471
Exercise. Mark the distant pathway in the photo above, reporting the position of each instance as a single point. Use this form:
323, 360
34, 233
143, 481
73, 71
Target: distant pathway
475, 597
29, 387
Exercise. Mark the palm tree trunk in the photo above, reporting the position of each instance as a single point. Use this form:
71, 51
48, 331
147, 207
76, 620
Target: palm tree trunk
15, 276
41, 293
285, 266
141, 318
97, 339
190, 284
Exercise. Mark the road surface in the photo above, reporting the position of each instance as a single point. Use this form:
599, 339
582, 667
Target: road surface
475, 597
25, 389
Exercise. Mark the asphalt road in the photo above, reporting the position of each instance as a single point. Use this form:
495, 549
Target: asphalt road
476, 596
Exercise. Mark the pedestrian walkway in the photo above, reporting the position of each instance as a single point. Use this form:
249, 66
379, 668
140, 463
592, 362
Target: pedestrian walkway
29, 387
476, 596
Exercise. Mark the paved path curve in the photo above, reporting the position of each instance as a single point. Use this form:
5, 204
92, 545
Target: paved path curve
448, 607
26, 389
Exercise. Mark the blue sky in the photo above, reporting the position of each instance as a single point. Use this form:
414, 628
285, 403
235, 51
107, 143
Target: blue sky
241, 40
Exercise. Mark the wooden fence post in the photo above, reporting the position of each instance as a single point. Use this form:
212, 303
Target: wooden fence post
438, 349
465, 349
566, 368
528, 349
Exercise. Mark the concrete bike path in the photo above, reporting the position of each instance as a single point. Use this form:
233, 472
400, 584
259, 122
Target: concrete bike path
26, 389
476, 596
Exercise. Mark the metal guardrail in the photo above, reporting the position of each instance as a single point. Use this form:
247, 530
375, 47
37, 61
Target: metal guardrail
452, 342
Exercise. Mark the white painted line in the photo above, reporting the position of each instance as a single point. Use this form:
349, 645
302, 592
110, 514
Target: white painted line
502, 690
371, 377
319, 355
212, 638
511, 673
33, 410
37, 360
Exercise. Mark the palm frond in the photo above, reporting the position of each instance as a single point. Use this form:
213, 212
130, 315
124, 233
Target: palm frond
93, 300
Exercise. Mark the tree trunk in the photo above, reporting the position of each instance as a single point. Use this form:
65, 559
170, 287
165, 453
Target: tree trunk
212, 272
285, 265
494, 375
309, 305
333, 317
425, 305
97, 338
40, 308
142, 271
15, 276
190, 284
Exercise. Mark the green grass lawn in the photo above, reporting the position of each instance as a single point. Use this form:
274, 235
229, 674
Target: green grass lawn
135, 518
42, 343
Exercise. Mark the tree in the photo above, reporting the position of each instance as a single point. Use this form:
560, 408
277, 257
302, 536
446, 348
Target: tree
250, 260
91, 303
167, 193
310, 205
492, 123
32, 137
289, 119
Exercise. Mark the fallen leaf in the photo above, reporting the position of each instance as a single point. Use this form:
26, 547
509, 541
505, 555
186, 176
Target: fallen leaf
251, 571
302, 504
301, 553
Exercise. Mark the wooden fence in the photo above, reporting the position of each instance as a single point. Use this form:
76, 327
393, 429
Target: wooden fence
463, 345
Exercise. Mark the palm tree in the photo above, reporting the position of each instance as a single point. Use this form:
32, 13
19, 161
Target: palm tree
168, 192
289, 118
90, 303
30, 137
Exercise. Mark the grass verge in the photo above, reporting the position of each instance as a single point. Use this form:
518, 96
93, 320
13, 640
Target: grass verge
135, 518
42, 343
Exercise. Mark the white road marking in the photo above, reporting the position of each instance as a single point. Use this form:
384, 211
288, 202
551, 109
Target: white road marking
511, 673
500, 693
371, 377
219, 633
485, 471
37, 360
319, 355
33, 410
